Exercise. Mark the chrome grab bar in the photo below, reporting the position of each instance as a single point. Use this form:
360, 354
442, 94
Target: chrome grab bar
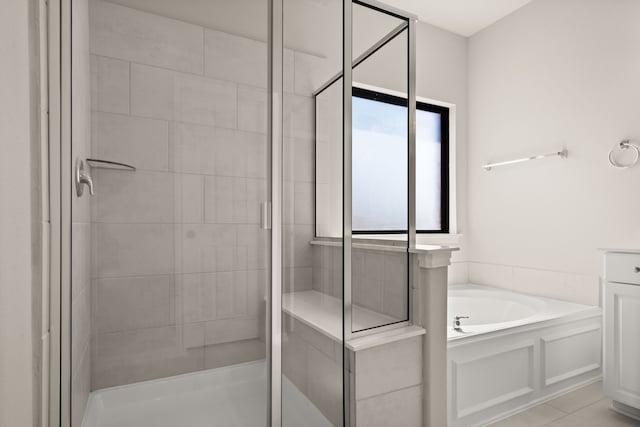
109, 164
82, 178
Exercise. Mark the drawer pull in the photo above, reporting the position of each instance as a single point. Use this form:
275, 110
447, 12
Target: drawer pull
637, 269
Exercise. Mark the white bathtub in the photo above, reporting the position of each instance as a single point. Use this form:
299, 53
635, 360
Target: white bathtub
516, 351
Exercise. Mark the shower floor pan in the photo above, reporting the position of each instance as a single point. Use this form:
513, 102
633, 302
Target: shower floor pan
222, 397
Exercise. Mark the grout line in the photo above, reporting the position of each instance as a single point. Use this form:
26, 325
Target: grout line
178, 122
130, 112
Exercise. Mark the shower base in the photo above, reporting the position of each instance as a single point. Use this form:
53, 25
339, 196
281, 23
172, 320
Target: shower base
223, 397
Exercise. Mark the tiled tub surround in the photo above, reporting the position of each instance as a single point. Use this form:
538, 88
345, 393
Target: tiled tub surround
179, 260
525, 351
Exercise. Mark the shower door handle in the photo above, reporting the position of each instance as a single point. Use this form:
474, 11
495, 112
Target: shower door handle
82, 178
265, 215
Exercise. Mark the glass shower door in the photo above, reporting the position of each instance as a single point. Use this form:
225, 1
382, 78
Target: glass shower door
171, 255
312, 333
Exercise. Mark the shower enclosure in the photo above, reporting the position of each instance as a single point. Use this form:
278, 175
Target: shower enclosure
204, 266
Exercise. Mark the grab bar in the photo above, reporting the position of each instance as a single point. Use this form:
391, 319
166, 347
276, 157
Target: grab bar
109, 164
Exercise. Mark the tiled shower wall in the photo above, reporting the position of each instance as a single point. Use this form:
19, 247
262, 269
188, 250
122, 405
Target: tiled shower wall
80, 219
379, 277
179, 259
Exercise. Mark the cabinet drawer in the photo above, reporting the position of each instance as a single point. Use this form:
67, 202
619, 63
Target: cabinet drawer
623, 268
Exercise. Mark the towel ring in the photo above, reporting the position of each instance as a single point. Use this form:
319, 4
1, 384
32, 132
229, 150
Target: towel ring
624, 145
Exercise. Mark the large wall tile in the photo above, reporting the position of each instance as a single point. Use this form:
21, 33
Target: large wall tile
297, 279
325, 384
402, 408
252, 109
204, 248
257, 282
169, 95
304, 213
125, 33
127, 303
500, 276
81, 255
294, 361
188, 198
296, 246
228, 330
311, 72
252, 247
458, 273
395, 297
231, 294
233, 200
298, 121
133, 197
233, 58
368, 278
132, 249
109, 85
142, 354
389, 367
288, 71
80, 386
195, 148
232, 353
299, 159
141, 142
198, 295
217, 151
80, 327
252, 160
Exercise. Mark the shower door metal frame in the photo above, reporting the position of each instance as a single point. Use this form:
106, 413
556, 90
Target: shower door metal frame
59, 52
275, 131
347, 213
60, 182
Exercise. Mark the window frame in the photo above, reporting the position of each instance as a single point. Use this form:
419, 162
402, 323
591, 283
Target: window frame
444, 113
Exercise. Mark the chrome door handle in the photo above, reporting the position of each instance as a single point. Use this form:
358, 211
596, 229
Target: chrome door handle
82, 178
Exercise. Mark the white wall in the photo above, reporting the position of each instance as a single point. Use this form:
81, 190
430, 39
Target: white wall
553, 74
19, 236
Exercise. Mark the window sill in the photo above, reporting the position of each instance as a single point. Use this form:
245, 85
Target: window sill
391, 242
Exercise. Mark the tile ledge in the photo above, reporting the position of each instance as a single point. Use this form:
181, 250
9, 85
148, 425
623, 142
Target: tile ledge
386, 337
619, 251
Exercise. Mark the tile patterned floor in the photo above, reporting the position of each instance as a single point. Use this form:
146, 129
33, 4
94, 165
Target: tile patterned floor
585, 407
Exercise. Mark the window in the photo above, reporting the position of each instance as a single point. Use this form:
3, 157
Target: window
380, 162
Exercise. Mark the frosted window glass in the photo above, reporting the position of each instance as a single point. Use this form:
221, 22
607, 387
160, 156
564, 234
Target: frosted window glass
428, 170
379, 147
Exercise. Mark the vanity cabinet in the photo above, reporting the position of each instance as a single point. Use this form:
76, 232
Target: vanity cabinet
622, 331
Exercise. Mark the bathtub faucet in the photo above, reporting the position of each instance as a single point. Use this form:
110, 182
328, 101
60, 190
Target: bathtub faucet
456, 323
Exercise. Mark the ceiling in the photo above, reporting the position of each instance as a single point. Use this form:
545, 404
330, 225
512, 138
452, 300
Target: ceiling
314, 26
464, 17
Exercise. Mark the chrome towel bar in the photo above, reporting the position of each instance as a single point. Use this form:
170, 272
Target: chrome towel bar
563, 154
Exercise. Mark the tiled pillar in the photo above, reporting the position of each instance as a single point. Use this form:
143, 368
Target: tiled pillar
429, 292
